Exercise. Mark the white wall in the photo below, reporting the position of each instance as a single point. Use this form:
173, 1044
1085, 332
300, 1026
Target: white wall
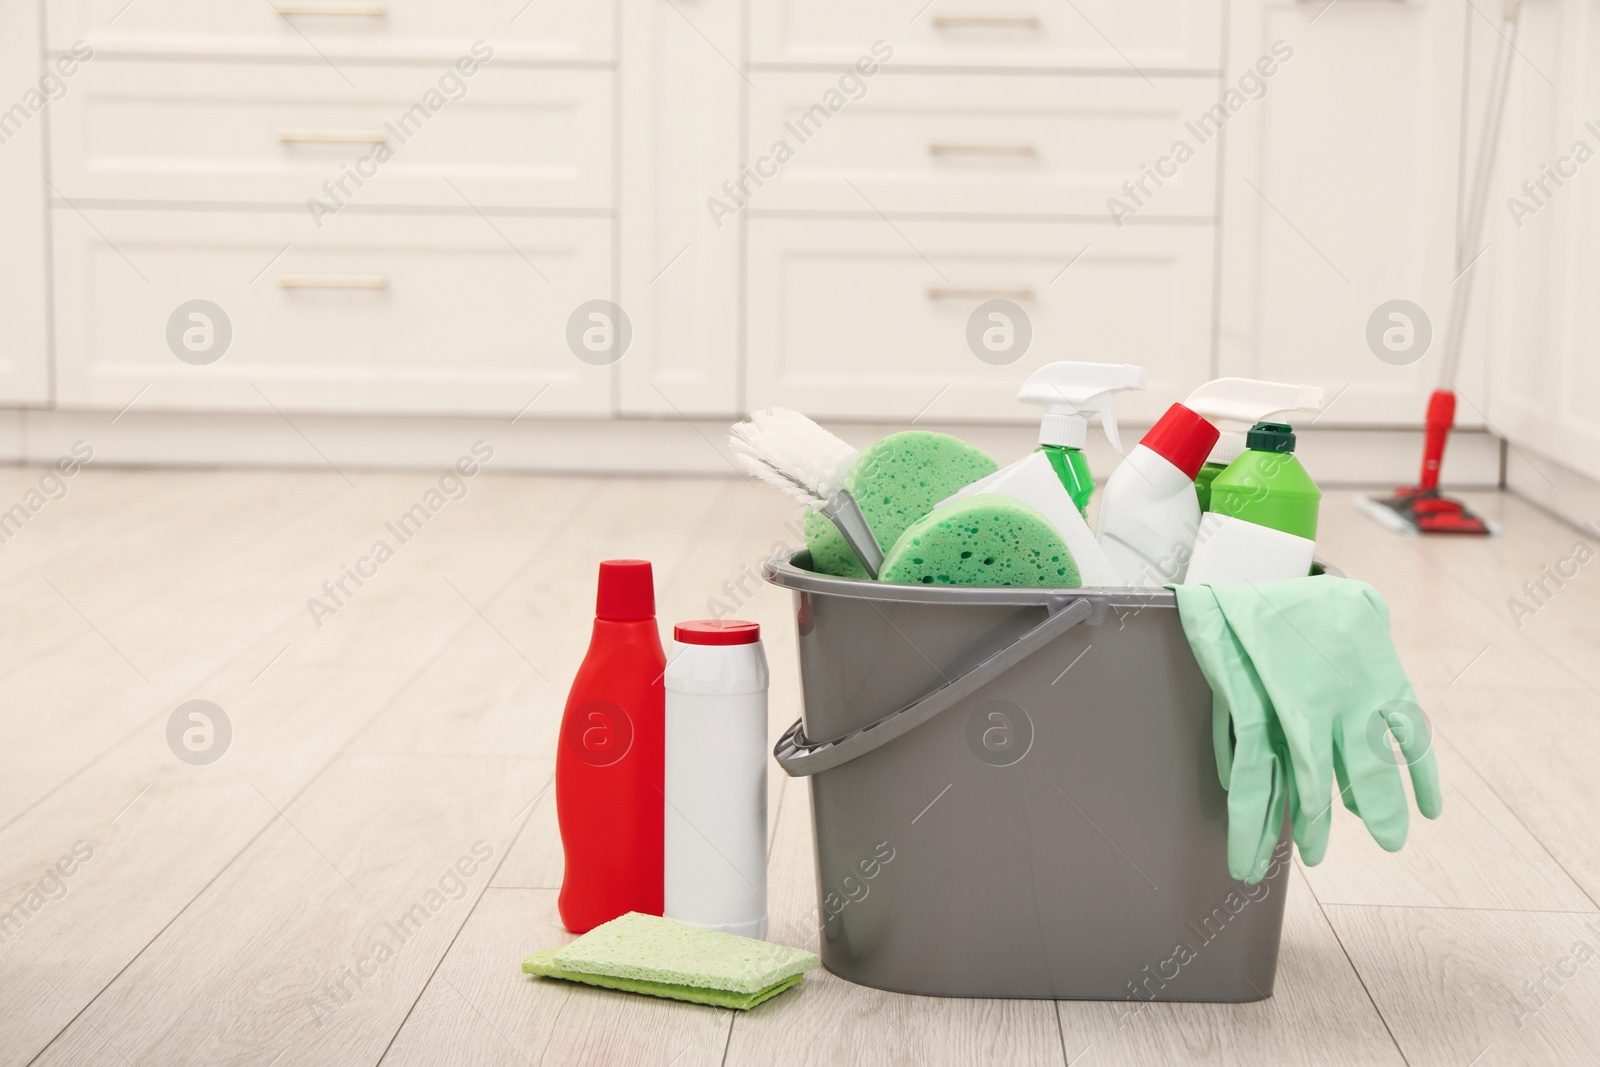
1542, 322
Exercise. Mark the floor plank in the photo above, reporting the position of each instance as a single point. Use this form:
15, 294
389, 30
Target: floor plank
1480, 987
1536, 752
480, 1009
187, 822
1319, 1013
319, 938
370, 753
1477, 854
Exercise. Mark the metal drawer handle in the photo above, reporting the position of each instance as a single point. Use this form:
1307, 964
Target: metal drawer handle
300, 136
996, 22
1018, 294
329, 7
333, 281
1024, 151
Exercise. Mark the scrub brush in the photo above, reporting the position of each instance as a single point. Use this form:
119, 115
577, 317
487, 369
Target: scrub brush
789, 452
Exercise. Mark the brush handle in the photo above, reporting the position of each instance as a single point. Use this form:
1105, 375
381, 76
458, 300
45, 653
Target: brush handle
843, 511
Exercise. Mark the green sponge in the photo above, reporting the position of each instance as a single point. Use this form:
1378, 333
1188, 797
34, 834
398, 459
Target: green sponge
666, 958
985, 539
896, 482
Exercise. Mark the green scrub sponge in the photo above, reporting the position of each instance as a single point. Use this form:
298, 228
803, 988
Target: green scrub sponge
896, 482
984, 539
666, 958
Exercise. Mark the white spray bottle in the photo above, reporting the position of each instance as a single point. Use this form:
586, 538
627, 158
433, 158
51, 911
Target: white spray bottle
1055, 478
1233, 405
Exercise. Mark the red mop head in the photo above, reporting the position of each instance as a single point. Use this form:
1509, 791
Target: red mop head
1420, 508
1425, 511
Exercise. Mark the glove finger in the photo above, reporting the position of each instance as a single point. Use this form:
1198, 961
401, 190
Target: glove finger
1416, 746
1345, 792
1310, 809
1272, 828
1374, 776
1250, 795
1222, 736
1425, 784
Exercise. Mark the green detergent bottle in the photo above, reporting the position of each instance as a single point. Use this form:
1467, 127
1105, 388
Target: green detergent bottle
1233, 405
1204, 480
1267, 485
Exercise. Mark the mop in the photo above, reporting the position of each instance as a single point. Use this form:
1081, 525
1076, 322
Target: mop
1421, 508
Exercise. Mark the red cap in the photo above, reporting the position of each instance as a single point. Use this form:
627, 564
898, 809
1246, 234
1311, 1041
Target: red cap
1183, 439
717, 632
627, 592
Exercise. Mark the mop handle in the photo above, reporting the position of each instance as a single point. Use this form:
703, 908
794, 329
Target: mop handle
1478, 201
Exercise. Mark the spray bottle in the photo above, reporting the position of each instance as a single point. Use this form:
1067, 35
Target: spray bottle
1234, 405
1072, 393
1055, 478
1262, 526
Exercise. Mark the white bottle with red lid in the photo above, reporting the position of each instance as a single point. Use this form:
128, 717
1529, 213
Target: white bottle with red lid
1149, 512
716, 777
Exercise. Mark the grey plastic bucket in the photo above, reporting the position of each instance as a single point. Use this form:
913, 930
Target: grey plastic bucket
1015, 795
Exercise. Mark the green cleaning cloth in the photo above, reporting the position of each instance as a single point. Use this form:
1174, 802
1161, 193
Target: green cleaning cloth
896, 481
984, 539
662, 957
1308, 689
543, 963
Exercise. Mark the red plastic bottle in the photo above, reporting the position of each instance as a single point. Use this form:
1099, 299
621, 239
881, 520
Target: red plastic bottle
611, 760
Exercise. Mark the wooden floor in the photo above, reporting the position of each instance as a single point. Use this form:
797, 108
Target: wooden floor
226, 913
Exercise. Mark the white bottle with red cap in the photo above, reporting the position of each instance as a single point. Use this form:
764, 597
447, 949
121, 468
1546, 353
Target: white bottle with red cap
716, 777
1150, 512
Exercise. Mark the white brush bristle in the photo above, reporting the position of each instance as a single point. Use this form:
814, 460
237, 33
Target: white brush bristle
789, 452
755, 468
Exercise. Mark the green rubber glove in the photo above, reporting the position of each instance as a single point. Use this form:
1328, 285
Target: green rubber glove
1252, 755
1321, 649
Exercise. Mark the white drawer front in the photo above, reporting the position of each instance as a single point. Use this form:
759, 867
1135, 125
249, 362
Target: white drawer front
858, 319
370, 314
1102, 35
1000, 144
288, 133
331, 30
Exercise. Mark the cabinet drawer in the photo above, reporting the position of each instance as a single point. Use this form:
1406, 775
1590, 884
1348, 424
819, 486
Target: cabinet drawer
1101, 35
328, 31
858, 319
287, 133
998, 144
369, 314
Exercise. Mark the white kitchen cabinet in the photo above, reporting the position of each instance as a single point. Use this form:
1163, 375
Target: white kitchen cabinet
867, 320
24, 315
1005, 144
976, 162
1340, 194
1098, 35
370, 314
679, 266
229, 132
329, 31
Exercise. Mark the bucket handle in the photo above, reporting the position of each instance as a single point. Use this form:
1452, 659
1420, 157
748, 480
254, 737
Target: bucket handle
799, 757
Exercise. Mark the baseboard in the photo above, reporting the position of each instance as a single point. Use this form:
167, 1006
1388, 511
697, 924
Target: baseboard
1335, 456
1555, 487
